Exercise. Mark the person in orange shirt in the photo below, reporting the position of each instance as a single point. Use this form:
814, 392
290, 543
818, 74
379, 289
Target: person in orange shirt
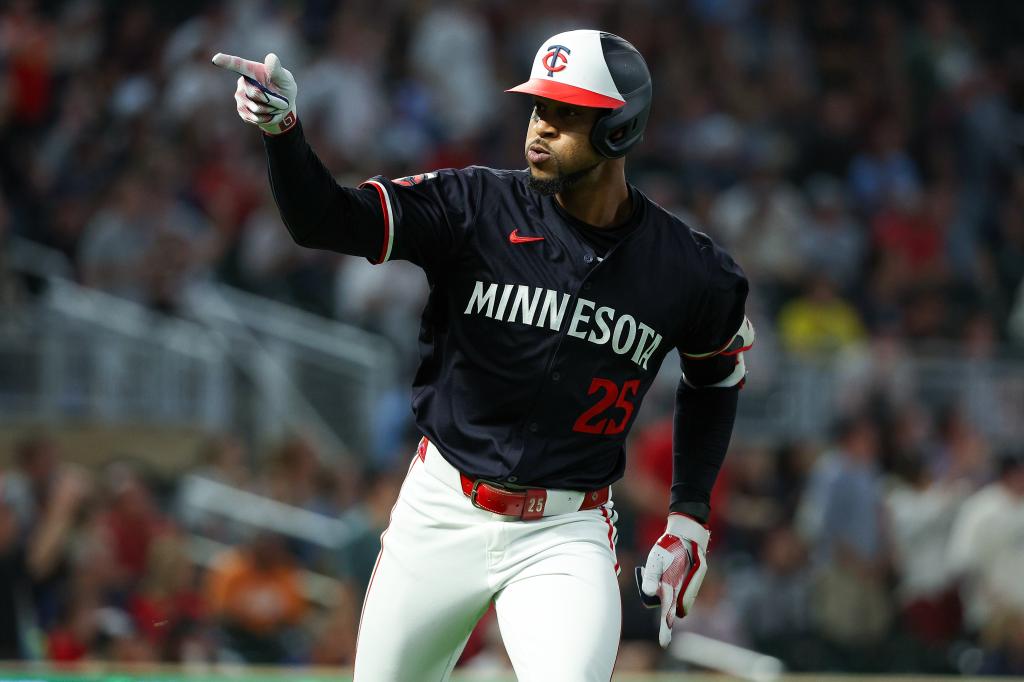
255, 593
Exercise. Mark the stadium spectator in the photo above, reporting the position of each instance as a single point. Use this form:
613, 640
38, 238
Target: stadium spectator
292, 473
842, 517
335, 641
959, 451
254, 592
834, 241
883, 171
774, 596
168, 601
47, 497
754, 503
270, 264
921, 510
133, 523
763, 218
344, 98
820, 323
985, 546
358, 557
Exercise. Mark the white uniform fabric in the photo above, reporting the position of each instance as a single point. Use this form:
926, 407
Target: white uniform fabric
443, 561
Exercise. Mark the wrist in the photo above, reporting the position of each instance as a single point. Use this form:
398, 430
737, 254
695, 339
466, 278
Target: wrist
683, 526
698, 511
288, 122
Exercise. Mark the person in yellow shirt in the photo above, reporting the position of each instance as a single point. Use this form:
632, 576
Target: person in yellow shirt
819, 322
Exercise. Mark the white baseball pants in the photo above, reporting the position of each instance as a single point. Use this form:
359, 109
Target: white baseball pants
443, 561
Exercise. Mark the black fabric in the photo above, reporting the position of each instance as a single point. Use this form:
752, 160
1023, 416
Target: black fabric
703, 426
603, 239
318, 212
720, 312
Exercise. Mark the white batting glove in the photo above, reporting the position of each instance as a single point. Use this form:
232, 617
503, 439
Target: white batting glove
674, 571
266, 92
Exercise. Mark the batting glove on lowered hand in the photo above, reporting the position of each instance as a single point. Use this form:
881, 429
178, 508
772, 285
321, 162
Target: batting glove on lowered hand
674, 572
266, 92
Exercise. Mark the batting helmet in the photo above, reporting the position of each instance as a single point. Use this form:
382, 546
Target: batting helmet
596, 69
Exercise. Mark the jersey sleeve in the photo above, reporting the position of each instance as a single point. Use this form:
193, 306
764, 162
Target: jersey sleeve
419, 218
718, 332
425, 216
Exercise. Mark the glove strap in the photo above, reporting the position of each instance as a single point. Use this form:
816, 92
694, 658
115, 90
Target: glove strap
286, 124
683, 526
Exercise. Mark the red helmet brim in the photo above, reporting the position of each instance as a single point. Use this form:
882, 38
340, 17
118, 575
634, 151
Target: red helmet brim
570, 94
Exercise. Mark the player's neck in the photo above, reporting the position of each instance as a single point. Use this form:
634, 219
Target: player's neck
602, 199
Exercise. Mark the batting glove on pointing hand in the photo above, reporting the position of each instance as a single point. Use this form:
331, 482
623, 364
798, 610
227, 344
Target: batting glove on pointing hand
674, 572
266, 92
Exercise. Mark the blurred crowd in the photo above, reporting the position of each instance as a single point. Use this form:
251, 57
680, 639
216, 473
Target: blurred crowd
861, 159
104, 565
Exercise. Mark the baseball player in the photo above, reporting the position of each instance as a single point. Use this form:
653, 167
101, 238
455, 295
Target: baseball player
555, 293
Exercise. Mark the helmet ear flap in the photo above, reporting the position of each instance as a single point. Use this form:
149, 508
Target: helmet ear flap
619, 130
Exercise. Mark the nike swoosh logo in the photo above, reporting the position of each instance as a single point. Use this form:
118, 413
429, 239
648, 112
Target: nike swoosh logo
516, 239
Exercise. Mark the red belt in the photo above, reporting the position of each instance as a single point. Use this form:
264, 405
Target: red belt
527, 504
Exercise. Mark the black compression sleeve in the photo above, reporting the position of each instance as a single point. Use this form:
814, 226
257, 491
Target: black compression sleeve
318, 212
703, 426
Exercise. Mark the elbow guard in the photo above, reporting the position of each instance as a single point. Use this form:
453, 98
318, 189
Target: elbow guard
706, 370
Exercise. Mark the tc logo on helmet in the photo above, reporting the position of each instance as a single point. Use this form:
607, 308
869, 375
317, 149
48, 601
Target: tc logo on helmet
551, 59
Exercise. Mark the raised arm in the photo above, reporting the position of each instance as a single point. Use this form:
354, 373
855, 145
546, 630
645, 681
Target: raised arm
318, 212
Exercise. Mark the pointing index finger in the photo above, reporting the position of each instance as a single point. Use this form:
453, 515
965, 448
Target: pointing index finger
244, 67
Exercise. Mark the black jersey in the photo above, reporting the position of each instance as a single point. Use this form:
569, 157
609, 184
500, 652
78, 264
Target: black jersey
536, 352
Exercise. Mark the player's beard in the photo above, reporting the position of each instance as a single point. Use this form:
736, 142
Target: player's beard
561, 182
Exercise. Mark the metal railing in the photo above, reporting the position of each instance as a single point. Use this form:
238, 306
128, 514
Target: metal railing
239, 363
801, 398
200, 499
330, 373
81, 354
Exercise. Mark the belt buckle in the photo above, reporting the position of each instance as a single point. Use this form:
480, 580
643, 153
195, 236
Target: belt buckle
472, 494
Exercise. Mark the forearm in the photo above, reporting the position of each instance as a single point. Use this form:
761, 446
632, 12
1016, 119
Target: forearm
318, 212
703, 426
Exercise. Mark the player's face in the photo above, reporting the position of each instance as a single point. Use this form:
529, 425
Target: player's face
558, 147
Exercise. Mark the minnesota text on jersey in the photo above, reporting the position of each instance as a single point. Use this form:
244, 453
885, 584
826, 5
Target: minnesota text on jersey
597, 324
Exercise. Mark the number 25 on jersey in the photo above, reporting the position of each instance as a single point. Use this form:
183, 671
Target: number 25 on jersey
595, 418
